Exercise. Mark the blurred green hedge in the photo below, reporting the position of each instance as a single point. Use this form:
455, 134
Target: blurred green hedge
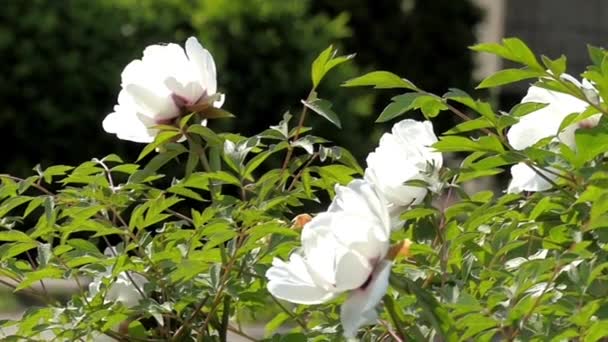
61, 62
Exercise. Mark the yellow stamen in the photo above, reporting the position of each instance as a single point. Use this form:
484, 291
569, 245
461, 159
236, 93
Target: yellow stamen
401, 248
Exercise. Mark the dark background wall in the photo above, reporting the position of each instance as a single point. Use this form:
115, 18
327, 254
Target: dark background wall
61, 63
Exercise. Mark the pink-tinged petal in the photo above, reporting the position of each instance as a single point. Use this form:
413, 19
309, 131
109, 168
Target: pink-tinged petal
526, 179
191, 91
292, 282
360, 307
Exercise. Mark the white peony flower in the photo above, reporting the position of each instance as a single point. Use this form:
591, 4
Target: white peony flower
545, 123
121, 289
404, 155
165, 84
343, 250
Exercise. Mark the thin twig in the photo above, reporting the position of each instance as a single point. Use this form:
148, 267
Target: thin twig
295, 138
37, 186
299, 174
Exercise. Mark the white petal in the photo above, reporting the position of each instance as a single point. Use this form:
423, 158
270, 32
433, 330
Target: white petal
544, 122
128, 126
151, 104
203, 62
526, 179
360, 199
417, 137
360, 308
291, 281
123, 290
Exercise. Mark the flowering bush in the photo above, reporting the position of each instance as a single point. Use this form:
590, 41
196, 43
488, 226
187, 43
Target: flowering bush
319, 248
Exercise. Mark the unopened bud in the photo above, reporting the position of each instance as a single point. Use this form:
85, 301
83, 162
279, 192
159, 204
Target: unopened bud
401, 248
299, 221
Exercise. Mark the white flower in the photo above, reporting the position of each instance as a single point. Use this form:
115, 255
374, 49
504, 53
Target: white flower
403, 156
160, 88
545, 123
343, 249
121, 289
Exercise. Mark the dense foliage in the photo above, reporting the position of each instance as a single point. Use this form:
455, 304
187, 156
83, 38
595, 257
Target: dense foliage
195, 257
62, 62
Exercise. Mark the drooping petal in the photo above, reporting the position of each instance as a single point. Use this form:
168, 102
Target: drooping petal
360, 307
291, 281
526, 179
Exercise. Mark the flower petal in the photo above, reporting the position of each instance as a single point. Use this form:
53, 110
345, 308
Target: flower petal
526, 179
203, 62
291, 281
359, 309
546, 121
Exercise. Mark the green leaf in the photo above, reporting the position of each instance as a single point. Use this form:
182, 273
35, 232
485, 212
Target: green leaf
12, 203
508, 76
429, 105
432, 311
380, 80
399, 105
591, 142
596, 54
156, 163
466, 175
15, 236
323, 108
210, 137
275, 323
38, 275
462, 144
512, 49
215, 113
525, 108
417, 213
13, 249
597, 331
556, 66
84, 246
56, 170
160, 139
483, 108
470, 125
325, 62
